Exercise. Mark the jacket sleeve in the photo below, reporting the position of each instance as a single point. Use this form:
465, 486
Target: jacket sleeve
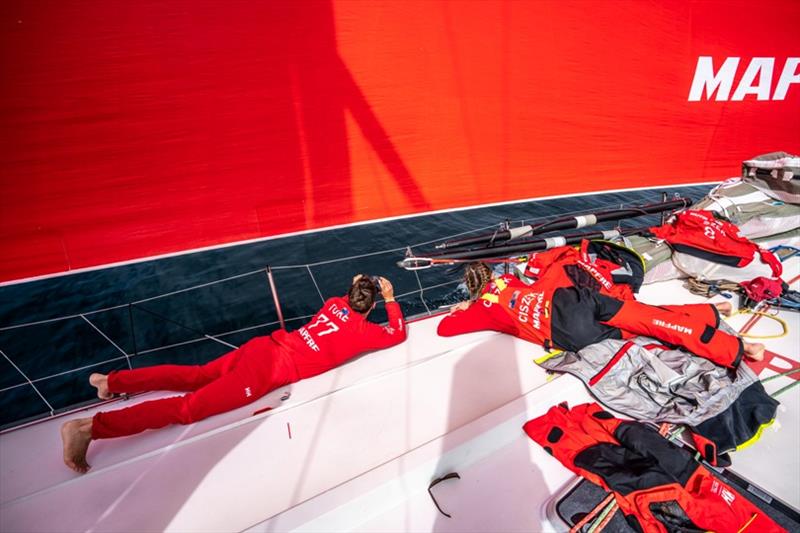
379, 337
477, 317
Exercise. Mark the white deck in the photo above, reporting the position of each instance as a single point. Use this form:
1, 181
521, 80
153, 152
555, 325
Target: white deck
355, 449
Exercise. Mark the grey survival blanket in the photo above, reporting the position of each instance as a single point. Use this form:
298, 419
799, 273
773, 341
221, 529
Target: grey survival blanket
648, 381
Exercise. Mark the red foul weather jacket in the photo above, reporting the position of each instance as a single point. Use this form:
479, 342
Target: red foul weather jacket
336, 334
657, 485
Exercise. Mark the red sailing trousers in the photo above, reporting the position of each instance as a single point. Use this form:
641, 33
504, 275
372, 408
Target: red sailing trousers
693, 326
335, 335
229, 382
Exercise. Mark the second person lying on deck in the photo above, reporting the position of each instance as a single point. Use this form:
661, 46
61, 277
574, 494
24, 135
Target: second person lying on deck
571, 318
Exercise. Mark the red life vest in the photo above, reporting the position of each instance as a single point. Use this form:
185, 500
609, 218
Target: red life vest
700, 234
587, 266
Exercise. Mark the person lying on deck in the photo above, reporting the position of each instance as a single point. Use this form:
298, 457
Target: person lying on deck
571, 318
337, 333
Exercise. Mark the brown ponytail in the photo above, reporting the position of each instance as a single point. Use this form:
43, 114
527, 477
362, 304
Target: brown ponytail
476, 276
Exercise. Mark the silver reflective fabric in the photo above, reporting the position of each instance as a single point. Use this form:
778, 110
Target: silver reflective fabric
655, 384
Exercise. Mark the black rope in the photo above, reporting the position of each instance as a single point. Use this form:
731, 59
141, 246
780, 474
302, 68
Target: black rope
436, 482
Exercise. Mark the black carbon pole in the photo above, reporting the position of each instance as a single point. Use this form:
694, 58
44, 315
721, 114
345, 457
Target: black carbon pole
572, 222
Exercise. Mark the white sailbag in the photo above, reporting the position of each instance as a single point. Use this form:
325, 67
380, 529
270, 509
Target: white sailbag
704, 269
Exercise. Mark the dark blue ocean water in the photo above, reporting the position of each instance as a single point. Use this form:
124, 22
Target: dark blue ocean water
161, 309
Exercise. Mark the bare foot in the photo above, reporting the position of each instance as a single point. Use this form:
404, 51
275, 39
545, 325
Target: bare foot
754, 351
76, 436
724, 308
100, 382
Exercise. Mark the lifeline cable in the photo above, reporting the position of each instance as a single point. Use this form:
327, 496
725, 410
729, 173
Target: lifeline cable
206, 335
280, 409
71, 410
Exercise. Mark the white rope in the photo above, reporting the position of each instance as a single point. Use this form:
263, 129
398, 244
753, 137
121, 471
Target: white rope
175, 345
66, 317
29, 382
109, 340
315, 284
421, 293
224, 333
343, 259
64, 373
222, 342
460, 234
187, 289
431, 287
82, 315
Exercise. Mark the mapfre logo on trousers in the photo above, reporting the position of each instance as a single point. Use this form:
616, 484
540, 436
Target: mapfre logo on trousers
757, 79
